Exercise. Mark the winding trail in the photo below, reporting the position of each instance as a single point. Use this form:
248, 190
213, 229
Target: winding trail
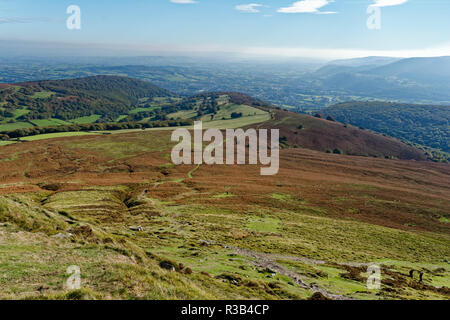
190, 173
266, 261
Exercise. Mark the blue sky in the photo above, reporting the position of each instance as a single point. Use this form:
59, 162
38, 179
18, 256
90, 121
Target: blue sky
309, 28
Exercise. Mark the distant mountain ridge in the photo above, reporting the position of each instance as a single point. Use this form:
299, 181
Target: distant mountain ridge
418, 69
366, 61
425, 79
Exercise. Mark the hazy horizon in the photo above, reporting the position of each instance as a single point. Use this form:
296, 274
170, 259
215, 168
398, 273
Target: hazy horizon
313, 29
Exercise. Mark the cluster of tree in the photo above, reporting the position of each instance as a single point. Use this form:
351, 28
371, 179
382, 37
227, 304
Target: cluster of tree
242, 98
152, 115
425, 125
92, 127
108, 96
6, 114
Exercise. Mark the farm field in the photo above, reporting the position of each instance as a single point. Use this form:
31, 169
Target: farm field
56, 135
14, 126
217, 232
49, 122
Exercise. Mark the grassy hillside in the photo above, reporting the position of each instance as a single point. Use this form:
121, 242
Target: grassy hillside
110, 103
328, 136
216, 232
427, 125
114, 103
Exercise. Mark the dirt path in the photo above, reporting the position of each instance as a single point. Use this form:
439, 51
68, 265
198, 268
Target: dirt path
190, 173
266, 261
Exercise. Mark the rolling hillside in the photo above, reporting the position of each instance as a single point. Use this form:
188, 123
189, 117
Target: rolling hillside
107, 96
107, 198
110, 103
309, 132
140, 228
105, 103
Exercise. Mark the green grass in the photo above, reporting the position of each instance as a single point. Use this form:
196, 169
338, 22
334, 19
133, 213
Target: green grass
49, 122
282, 197
56, 135
226, 111
5, 143
108, 260
42, 95
237, 123
142, 109
224, 114
121, 117
444, 220
191, 173
263, 224
117, 147
183, 114
85, 120
15, 126
20, 112
119, 263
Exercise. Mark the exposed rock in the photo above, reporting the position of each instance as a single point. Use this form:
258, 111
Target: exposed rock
167, 265
318, 296
63, 235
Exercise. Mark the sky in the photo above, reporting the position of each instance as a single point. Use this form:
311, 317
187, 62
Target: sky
322, 29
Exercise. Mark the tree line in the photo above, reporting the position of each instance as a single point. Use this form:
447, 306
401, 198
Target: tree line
26, 132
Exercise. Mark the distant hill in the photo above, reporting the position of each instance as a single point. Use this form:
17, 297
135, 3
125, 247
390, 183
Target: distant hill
424, 70
415, 79
427, 125
354, 65
366, 61
73, 98
299, 130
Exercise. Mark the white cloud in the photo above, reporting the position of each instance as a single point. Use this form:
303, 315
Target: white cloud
307, 6
251, 7
388, 3
183, 1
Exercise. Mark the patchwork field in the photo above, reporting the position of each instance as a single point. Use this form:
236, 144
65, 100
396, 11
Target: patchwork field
139, 227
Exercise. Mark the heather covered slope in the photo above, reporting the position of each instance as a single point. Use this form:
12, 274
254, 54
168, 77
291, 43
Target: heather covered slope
216, 232
304, 131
